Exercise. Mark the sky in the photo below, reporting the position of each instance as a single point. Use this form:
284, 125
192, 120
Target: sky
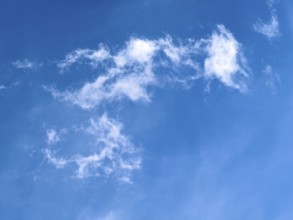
146, 110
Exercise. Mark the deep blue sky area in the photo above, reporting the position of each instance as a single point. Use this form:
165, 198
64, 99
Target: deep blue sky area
146, 110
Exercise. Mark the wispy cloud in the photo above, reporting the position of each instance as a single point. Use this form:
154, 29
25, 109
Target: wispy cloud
271, 3
9, 86
113, 86
272, 79
130, 73
57, 162
225, 60
271, 28
137, 50
78, 55
117, 155
109, 216
52, 136
2, 87
25, 64
143, 63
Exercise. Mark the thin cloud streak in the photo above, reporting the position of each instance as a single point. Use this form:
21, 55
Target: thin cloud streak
79, 55
25, 64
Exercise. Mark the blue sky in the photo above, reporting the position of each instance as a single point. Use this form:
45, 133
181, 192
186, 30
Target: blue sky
145, 110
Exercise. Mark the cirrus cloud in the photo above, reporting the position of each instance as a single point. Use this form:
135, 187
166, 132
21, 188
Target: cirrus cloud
116, 154
143, 63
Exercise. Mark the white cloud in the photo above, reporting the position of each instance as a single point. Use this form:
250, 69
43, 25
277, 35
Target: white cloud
269, 29
272, 78
90, 95
25, 64
109, 216
109, 88
225, 60
9, 86
52, 136
179, 55
137, 50
271, 3
57, 162
130, 72
94, 56
117, 156
129, 78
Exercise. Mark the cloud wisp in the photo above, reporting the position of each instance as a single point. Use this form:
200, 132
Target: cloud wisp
112, 155
25, 64
142, 64
272, 78
269, 29
2, 87
54, 136
91, 56
9, 85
